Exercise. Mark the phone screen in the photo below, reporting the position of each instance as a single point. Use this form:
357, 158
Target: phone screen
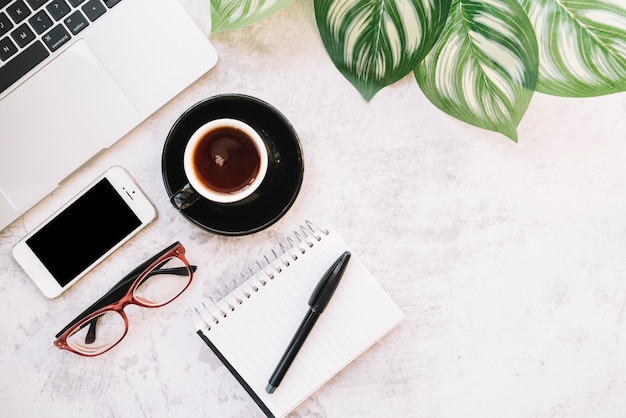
83, 232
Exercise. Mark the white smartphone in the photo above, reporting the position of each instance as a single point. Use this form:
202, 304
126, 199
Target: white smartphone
84, 231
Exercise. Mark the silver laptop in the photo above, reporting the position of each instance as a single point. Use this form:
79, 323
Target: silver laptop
76, 75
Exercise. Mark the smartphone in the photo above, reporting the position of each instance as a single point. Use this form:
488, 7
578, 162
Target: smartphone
84, 231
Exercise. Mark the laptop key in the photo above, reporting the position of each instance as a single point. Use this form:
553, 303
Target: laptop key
5, 24
76, 3
76, 22
7, 48
4, 3
22, 64
23, 35
36, 4
111, 3
94, 9
58, 9
18, 11
41, 22
56, 37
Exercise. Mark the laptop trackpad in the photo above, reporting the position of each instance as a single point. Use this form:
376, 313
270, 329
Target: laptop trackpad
66, 129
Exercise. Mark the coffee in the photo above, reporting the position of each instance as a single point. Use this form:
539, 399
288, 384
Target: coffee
226, 160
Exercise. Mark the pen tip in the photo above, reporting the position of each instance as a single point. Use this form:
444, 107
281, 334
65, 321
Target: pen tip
269, 388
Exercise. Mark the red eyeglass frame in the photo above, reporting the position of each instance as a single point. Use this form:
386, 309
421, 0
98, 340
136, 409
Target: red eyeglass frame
122, 295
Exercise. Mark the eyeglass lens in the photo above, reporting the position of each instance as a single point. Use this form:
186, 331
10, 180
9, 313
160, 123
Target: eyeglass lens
163, 283
158, 287
98, 334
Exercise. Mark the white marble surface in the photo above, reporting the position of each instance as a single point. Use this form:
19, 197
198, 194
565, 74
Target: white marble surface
507, 259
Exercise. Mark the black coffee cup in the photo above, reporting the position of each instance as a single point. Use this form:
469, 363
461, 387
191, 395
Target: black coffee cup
225, 162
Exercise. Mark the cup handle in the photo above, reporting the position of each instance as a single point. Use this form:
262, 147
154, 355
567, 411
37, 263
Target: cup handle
184, 197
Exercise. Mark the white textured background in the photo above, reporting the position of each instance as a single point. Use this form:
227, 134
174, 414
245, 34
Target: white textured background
507, 259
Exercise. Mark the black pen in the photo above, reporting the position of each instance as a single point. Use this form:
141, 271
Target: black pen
317, 303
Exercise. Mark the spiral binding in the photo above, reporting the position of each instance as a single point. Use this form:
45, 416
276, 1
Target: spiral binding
295, 245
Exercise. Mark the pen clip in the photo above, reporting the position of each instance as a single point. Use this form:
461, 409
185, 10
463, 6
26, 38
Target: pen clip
326, 287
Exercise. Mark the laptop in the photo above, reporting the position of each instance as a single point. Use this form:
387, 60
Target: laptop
76, 76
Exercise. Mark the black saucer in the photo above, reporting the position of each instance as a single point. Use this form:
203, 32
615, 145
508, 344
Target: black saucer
281, 185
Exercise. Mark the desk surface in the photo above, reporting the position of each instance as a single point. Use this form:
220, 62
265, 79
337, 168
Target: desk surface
507, 259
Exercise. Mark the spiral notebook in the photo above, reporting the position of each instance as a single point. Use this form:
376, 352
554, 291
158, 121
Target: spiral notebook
250, 328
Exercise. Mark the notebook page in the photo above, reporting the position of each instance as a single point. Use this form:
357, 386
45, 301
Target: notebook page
258, 319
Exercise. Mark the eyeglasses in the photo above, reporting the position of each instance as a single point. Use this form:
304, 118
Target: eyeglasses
156, 282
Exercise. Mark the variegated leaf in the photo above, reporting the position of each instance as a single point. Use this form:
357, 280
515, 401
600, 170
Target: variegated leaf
234, 14
374, 43
582, 46
483, 69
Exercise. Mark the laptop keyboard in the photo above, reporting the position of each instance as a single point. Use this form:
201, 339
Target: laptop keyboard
33, 30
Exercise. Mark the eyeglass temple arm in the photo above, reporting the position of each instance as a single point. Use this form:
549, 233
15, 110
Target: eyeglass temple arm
120, 288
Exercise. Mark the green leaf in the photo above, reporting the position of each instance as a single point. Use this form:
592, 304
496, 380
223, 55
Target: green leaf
483, 69
582, 46
374, 43
234, 14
